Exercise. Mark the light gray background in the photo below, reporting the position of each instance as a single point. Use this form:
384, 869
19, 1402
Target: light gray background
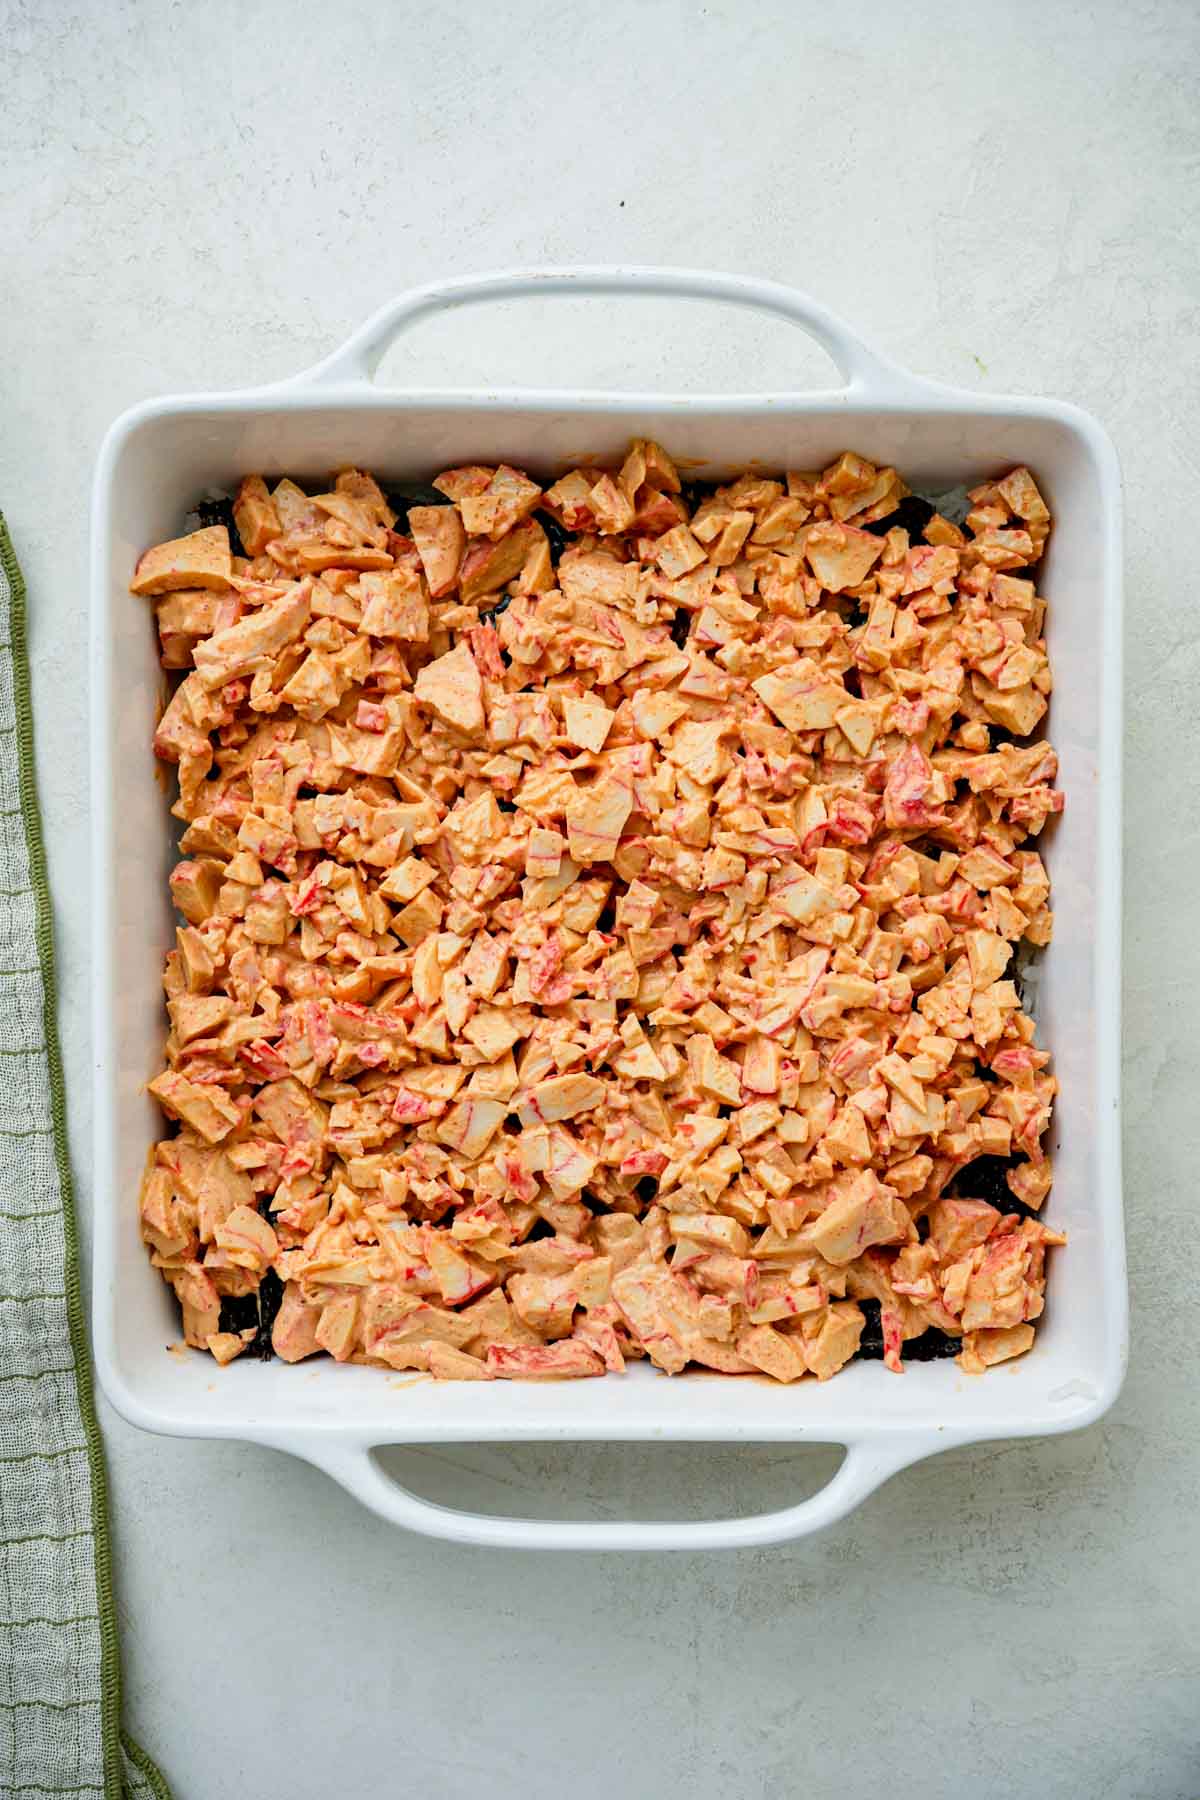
1004, 197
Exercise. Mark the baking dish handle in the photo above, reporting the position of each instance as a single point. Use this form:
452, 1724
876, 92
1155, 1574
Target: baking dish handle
865, 1467
862, 369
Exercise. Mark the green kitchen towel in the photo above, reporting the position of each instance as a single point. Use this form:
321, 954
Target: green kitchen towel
60, 1677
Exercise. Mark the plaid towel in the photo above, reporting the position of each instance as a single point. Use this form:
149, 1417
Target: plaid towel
60, 1682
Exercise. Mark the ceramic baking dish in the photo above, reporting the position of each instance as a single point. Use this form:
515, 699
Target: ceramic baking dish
160, 456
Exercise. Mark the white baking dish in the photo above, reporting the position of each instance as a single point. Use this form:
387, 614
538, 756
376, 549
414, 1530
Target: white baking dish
160, 456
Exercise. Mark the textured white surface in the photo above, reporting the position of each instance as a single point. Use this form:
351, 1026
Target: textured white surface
205, 196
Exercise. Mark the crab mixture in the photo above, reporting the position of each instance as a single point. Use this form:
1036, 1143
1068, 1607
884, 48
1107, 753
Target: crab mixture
599, 909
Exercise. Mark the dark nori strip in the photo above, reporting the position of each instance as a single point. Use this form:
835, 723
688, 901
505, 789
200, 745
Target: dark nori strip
491, 615
412, 493
239, 1312
270, 1297
870, 1345
681, 625
220, 512
506, 806
912, 515
557, 535
984, 1179
931, 1346
693, 492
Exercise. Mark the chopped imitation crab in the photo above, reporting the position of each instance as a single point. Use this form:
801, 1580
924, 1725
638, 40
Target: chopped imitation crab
604, 951
438, 533
200, 560
451, 687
